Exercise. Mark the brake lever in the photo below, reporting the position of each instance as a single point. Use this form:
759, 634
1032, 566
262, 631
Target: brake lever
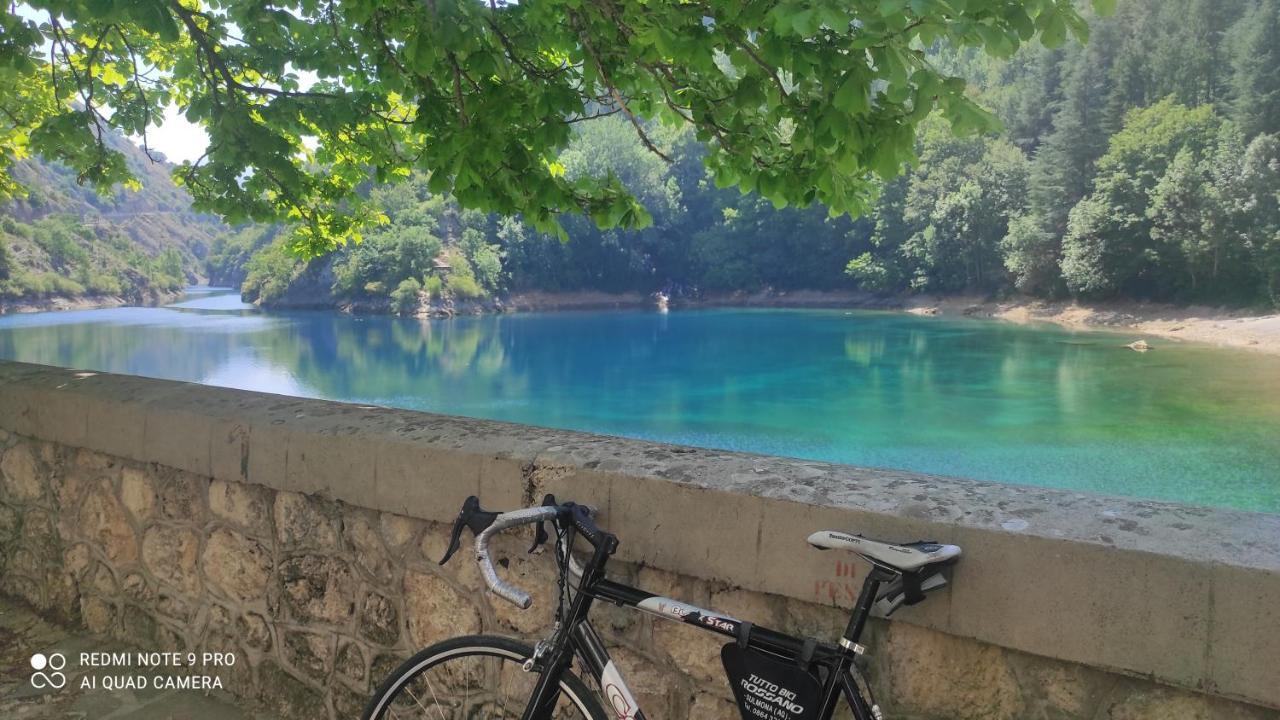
471, 516
540, 536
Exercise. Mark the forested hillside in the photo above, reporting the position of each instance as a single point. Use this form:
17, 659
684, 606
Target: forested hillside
1145, 164
65, 240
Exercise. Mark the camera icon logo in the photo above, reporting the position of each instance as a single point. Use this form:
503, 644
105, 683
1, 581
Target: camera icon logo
48, 671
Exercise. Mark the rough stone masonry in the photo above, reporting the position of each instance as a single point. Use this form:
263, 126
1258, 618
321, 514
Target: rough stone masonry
320, 597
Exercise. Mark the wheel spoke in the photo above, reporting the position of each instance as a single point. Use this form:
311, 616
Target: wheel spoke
494, 686
424, 707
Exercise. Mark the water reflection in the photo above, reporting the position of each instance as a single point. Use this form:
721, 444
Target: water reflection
967, 398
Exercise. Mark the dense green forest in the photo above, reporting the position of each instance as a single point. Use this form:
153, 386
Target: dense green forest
66, 240
1144, 164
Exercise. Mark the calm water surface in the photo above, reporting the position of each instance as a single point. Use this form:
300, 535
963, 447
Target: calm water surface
974, 399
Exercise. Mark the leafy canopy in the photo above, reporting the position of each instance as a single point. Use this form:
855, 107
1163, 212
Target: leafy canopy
801, 101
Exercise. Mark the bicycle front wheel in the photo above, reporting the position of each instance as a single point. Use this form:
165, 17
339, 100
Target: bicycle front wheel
476, 677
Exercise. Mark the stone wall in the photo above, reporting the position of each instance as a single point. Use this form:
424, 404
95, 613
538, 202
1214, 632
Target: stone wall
185, 518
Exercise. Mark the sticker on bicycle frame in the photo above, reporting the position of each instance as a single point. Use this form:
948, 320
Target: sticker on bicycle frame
686, 613
769, 689
617, 695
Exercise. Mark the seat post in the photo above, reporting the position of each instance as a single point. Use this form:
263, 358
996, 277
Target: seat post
862, 610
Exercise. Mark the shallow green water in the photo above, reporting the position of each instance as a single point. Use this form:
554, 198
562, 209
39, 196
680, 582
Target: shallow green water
974, 398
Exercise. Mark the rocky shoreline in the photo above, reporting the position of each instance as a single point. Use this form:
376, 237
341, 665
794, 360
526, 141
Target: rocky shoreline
83, 302
1226, 327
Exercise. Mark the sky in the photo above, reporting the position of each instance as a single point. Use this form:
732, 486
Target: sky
178, 139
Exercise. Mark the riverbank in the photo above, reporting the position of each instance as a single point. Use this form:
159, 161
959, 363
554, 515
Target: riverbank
1217, 326
1225, 327
83, 302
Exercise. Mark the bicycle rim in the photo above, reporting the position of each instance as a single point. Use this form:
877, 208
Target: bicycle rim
472, 678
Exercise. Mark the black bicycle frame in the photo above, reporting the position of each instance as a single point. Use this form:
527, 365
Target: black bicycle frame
580, 639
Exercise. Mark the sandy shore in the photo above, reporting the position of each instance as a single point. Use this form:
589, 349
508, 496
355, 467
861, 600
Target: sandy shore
1217, 326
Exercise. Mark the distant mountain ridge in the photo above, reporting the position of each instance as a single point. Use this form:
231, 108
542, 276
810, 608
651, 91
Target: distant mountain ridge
65, 241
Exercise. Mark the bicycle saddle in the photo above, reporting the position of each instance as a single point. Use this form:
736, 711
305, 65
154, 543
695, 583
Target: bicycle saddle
909, 557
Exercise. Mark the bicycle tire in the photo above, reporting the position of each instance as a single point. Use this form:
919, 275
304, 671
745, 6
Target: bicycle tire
572, 689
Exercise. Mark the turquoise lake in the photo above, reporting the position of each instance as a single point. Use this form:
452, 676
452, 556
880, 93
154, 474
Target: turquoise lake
968, 398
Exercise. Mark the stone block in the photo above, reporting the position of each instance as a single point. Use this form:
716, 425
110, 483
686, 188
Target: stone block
1122, 610
177, 433
360, 529
347, 703
101, 521
719, 545
21, 473
137, 626
398, 531
229, 449
103, 580
379, 619
136, 587
286, 697
1244, 646
310, 653
1162, 703
169, 553
268, 460
710, 706
248, 507
318, 588
174, 607
254, 631
462, 567
336, 463
58, 414
759, 608
435, 611
502, 483
138, 493
181, 496
306, 522
937, 675
10, 523
694, 652
426, 483
235, 566
352, 665
97, 614
115, 410
76, 560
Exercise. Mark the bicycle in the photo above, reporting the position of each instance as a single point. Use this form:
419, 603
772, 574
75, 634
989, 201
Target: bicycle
773, 675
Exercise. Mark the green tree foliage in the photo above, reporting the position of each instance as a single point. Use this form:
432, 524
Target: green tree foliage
229, 253
945, 233
405, 297
62, 256
801, 102
1259, 203
1255, 69
1032, 255
270, 272
1109, 247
